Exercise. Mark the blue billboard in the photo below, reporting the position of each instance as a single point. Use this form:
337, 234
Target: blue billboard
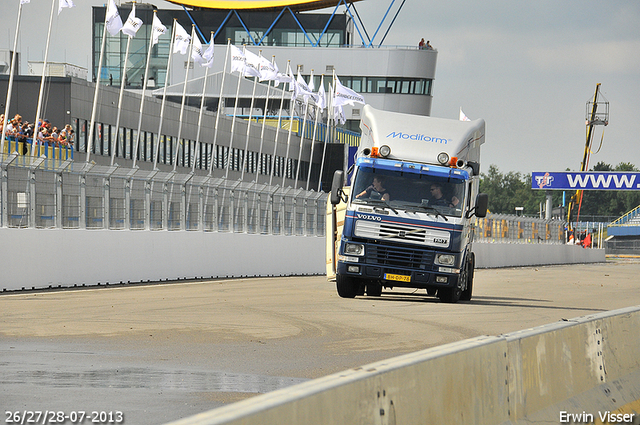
588, 180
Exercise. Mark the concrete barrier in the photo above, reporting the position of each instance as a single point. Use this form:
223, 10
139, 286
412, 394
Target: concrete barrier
588, 367
491, 255
39, 258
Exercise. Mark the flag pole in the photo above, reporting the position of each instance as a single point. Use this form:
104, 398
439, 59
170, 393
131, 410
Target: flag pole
184, 95
275, 142
264, 120
215, 133
164, 95
10, 87
326, 134
144, 92
89, 142
123, 78
36, 127
246, 143
313, 137
233, 123
204, 90
291, 112
304, 127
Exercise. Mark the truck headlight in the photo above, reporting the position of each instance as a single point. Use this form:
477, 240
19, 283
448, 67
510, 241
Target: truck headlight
353, 249
445, 259
384, 151
443, 158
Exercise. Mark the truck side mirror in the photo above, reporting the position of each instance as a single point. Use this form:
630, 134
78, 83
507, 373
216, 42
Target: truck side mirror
336, 187
482, 200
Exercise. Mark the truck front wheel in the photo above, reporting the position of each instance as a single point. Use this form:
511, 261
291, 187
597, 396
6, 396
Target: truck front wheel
347, 286
452, 295
471, 264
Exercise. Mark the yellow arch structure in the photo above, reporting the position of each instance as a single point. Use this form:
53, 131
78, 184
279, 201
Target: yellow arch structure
259, 4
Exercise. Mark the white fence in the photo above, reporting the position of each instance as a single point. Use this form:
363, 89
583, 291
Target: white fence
47, 193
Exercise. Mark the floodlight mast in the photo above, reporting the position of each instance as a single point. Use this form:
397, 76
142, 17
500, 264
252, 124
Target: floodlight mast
593, 118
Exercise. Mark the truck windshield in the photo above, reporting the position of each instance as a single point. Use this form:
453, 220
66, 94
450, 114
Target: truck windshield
411, 192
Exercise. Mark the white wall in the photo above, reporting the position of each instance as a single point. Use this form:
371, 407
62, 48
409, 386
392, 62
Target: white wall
38, 258
490, 255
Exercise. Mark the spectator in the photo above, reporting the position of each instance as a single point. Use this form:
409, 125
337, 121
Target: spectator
70, 135
421, 45
428, 46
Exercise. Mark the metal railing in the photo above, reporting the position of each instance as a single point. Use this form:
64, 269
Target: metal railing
50, 193
502, 228
632, 218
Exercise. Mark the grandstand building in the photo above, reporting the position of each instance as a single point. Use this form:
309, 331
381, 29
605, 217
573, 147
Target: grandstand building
395, 78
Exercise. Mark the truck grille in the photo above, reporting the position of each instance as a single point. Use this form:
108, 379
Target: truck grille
393, 256
401, 233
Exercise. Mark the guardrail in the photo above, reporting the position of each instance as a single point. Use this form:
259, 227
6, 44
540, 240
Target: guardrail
587, 366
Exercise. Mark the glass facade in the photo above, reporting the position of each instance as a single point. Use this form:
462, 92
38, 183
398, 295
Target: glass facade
286, 32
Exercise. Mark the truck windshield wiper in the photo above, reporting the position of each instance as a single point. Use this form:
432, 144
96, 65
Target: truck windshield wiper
427, 208
377, 202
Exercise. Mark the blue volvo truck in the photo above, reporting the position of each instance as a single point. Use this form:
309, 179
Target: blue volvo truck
402, 216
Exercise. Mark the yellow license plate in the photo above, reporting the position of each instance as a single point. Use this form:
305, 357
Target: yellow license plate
398, 277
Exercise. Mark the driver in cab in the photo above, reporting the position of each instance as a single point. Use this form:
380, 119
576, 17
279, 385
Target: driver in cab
375, 191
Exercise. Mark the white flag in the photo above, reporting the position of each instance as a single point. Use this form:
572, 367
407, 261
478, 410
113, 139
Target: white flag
322, 97
281, 78
304, 90
463, 117
268, 70
252, 64
293, 85
311, 84
181, 41
346, 96
237, 59
25, 1
196, 51
208, 54
114, 22
64, 3
133, 24
338, 115
157, 30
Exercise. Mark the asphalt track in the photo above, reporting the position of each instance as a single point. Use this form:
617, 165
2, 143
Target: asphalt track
165, 351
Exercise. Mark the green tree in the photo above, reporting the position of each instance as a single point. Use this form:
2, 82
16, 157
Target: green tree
607, 203
511, 190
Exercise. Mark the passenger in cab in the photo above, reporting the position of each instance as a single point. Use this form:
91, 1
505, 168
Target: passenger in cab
438, 197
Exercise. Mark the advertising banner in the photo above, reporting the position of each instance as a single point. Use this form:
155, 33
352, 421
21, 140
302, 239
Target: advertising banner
588, 180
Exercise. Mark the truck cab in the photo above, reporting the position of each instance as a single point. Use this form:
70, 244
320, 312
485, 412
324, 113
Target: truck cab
405, 218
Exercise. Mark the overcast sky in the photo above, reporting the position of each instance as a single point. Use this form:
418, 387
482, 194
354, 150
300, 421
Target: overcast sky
527, 68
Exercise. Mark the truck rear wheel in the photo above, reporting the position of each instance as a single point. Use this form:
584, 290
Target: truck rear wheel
347, 286
471, 264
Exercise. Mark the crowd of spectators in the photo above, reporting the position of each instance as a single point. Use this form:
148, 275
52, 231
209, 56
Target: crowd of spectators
47, 135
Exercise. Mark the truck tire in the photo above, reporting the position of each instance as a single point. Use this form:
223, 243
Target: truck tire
452, 295
471, 265
347, 286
